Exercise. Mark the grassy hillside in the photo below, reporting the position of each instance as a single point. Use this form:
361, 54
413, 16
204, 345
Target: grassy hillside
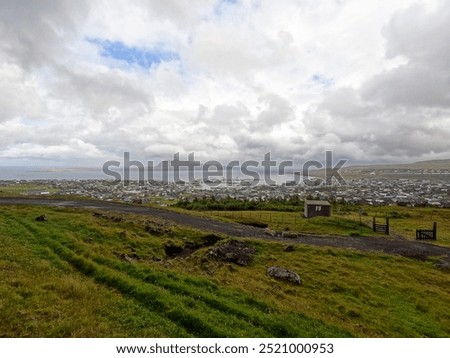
345, 220
403, 220
23, 188
291, 221
85, 275
361, 171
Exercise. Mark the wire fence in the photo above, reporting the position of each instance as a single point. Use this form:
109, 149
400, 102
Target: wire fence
263, 217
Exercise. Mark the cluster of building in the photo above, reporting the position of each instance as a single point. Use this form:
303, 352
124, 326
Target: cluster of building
401, 191
371, 191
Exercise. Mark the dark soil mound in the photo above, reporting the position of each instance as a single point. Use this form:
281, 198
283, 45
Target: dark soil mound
233, 251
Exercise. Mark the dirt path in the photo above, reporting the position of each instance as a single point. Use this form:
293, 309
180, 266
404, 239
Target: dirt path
412, 249
179, 218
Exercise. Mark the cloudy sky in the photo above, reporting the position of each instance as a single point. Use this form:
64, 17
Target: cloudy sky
83, 81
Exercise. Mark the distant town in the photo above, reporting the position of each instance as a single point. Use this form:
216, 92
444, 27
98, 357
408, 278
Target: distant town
381, 187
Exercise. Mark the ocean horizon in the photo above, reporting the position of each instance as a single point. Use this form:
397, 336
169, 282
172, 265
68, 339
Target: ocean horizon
92, 173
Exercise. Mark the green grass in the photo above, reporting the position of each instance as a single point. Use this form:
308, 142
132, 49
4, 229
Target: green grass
291, 221
404, 220
24, 188
345, 220
67, 278
43, 296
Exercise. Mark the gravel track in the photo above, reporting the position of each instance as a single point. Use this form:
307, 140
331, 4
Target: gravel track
390, 245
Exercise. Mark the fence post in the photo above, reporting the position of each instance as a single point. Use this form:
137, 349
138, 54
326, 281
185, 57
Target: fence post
435, 231
387, 226
373, 224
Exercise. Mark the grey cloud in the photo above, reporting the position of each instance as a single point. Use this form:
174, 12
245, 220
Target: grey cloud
421, 36
33, 33
207, 102
410, 86
225, 114
19, 94
183, 14
347, 104
277, 110
403, 112
383, 132
100, 91
251, 134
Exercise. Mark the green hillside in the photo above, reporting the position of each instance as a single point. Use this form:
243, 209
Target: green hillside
81, 274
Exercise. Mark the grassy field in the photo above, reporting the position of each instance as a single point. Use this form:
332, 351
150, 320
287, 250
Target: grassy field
404, 220
24, 188
293, 221
345, 220
80, 275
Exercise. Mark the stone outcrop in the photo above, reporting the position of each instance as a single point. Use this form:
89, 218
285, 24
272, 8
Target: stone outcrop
280, 273
233, 251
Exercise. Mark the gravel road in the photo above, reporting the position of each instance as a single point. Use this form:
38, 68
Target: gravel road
390, 245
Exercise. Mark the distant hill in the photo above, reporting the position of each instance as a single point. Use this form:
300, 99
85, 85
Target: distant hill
424, 165
431, 164
382, 170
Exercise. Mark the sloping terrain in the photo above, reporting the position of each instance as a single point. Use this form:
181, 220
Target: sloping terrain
98, 274
418, 250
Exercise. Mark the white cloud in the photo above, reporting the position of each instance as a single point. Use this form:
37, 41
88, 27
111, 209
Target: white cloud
367, 79
20, 95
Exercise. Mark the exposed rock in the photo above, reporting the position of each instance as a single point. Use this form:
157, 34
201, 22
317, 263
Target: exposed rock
270, 232
42, 218
173, 248
289, 235
125, 257
443, 264
116, 219
233, 251
411, 253
135, 256
210, 239
156, 229
280, 273
184, 248
289, 248
131, 248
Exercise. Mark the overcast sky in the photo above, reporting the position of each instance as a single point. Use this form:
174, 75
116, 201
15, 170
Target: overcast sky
83, 81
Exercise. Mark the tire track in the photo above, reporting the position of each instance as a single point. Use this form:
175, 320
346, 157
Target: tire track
114, 278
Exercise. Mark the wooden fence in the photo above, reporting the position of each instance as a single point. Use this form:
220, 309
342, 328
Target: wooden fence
381, 228
422, 234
